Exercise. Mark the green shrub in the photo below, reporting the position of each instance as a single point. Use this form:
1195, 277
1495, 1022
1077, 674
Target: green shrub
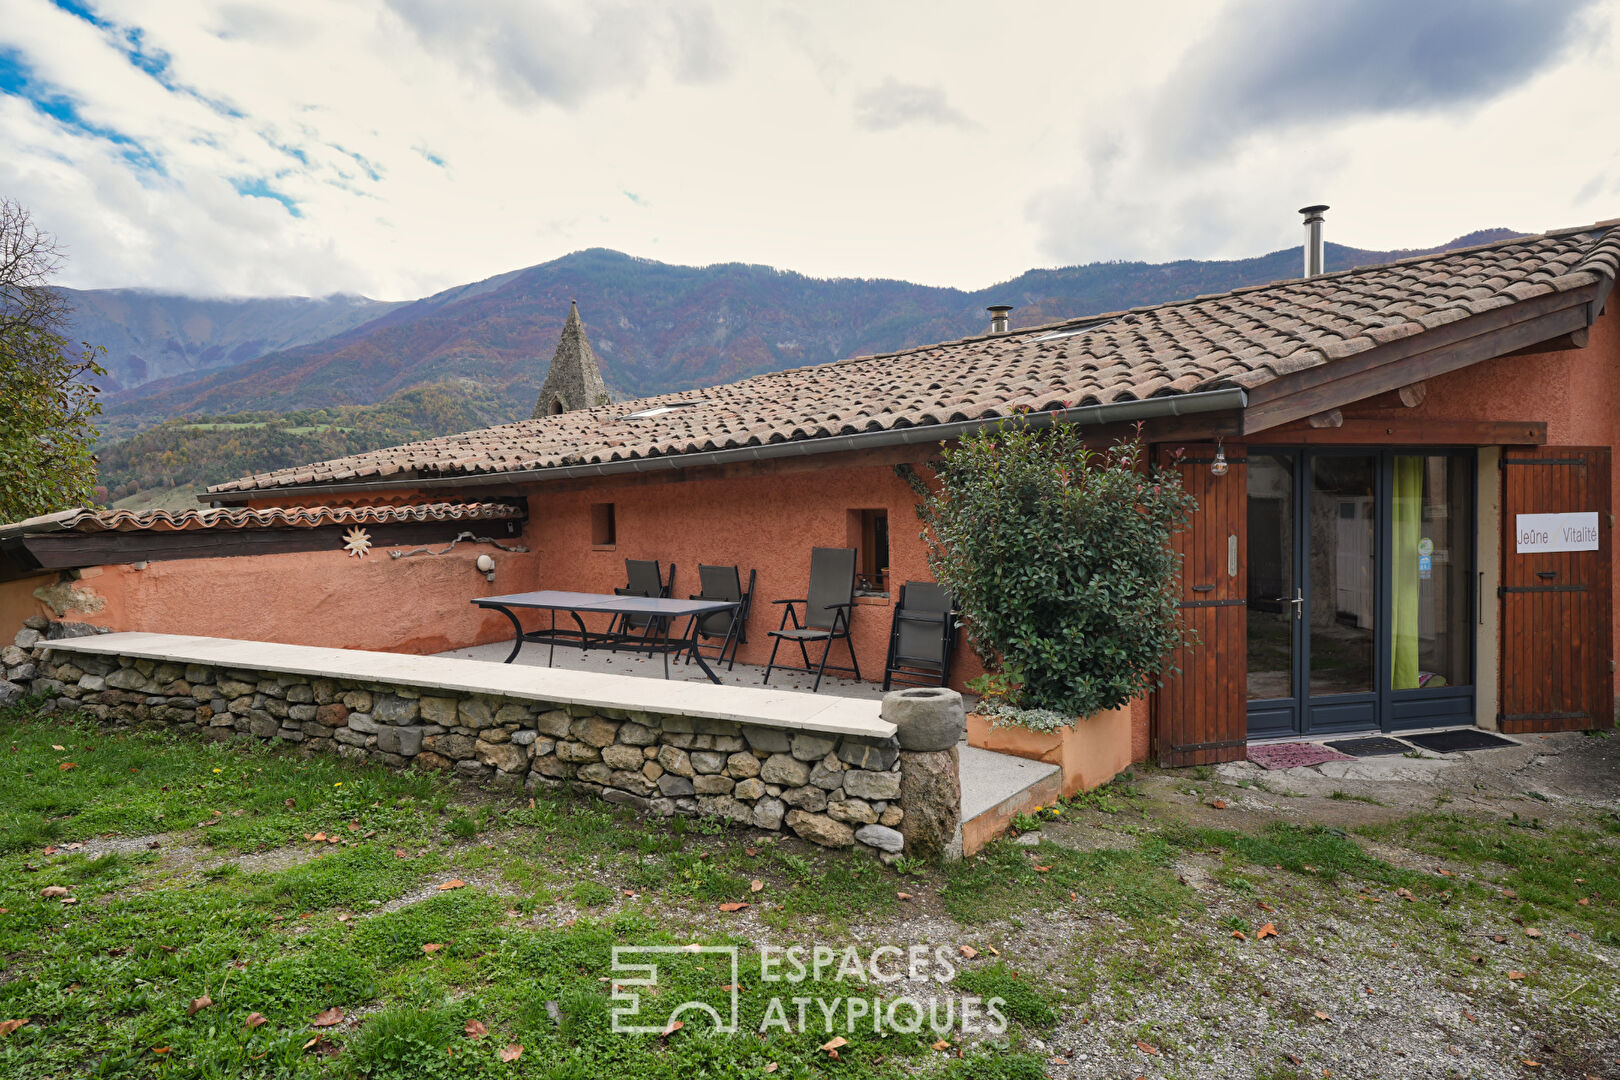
1059, 558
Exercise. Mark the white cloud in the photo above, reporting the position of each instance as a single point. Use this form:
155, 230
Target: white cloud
395, 147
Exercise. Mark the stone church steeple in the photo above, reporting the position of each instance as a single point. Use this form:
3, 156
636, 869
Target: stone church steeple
574, 380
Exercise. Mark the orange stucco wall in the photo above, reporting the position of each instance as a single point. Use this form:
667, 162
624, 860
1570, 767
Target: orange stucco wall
1576, 392
325, 598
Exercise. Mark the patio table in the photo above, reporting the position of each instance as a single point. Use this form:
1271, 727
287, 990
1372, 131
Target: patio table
655, 638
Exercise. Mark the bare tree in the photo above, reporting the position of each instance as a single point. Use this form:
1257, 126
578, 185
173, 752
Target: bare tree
29, 260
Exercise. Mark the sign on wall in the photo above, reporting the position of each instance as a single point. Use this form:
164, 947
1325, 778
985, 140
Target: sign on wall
1536, 534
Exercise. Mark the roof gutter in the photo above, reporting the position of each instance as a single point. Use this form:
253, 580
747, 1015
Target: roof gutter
1206, 401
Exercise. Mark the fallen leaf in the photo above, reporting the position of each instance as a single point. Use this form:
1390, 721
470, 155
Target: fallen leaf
969, 951
1405, 894
1042, 869
756, 885
1515, 976
1531, 931
1509, 893
991, 949
734, 905
160, 1049
254, 1020
8, 1026
319, 838
674, 1026
771, 1067
1500, 939
1583, 902
1470, 1016
1291, 1059
1532, 1064
291, 804
51, 892
401, 853
475, 1030
1219, 804
354, 826
432, 947
153, 846
514, 1050
1240, 935
198, 1004
344, 916
1263, 906
750, 851
1146, 1047
313, 1042
834, 1043
453, 883
328, 1017
1264, 932
66, 765
729, 987
1320, 1015
54, 746
907, 896
942, 1045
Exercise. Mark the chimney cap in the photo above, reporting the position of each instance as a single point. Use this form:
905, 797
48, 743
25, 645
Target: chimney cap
999, 307
1309, 210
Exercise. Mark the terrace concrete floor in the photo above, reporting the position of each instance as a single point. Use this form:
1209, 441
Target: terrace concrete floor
605, 662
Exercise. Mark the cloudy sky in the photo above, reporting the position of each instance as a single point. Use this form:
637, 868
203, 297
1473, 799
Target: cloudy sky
396, 147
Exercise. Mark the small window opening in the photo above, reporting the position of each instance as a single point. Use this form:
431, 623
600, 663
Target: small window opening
869, 535
556, 407
604, 528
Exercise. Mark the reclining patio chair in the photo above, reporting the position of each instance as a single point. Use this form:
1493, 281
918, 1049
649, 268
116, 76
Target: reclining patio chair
922, 637
724, 583
644, 578
827, 609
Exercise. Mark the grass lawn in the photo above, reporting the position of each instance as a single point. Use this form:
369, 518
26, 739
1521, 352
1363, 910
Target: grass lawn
176, 908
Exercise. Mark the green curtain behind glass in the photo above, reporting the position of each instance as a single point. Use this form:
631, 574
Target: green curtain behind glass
1408, 529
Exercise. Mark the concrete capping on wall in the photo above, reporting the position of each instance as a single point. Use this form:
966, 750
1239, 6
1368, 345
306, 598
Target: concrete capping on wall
841, 783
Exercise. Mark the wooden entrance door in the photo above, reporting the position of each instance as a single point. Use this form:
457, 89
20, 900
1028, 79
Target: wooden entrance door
1200, 715
1556, 672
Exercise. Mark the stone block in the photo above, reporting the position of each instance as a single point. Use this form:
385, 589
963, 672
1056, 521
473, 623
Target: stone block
708, 761
828, 774
892, 817
750, 789
503, 757
302, 713
333, 715
852, 812
767, 740
297, 693
623, 757
630, 781
742, 765
675, 760
768, 813
869, 754
724, 806
785, 770
427, 759
713, 784
357, 700
475, 713
634, 734
626, 798
405, 741
881, 837
437, 710
863, 784
361, 722
393, 709
454, 747
92, 684
525, 737
595, 773
263, 724
594, 730
820, 829
931, 790
495, 735
27, 638
577, 752
554, 722
673, 786
808, 747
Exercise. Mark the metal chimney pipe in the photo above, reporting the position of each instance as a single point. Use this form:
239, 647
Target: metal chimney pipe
1000, 317
1313, 239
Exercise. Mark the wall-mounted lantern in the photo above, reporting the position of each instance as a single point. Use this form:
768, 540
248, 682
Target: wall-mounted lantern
486, 566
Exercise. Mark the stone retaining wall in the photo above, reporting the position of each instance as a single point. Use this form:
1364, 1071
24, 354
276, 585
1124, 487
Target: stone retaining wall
831, 790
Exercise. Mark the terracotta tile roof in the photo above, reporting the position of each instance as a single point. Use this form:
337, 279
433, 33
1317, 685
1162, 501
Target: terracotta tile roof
279, 517
1239, 339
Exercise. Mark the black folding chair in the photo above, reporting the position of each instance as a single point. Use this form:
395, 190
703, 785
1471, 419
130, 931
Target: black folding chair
644, 578
724, 583
922, 637
827, 609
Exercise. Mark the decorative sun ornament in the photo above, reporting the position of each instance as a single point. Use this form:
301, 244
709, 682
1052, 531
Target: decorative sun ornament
357, 542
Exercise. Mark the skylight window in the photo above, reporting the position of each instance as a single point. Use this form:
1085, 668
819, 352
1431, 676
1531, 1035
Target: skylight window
660, 410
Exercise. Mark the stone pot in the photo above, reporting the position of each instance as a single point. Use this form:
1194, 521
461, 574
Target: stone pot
1090, 752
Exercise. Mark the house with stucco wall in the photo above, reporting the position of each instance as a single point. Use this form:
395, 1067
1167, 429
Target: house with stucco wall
1403, 477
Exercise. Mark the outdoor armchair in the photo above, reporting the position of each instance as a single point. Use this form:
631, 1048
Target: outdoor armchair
644, 578
922, 637
827, 608
725, 583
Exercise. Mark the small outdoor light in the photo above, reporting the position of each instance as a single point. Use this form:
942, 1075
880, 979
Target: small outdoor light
1218, 467
486, 566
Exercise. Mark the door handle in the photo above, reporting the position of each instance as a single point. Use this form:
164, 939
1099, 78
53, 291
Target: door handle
1298, 600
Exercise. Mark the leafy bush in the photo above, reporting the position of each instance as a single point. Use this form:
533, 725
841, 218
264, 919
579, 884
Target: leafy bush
1059, 558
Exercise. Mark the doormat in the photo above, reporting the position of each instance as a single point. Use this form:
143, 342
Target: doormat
1450, 742
1293, 755
1371, 746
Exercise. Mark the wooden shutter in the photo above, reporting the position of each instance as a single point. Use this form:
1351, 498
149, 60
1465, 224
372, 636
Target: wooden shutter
1557, 629
1201, 715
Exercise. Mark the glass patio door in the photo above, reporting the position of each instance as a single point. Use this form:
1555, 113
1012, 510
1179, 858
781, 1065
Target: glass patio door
1360, 611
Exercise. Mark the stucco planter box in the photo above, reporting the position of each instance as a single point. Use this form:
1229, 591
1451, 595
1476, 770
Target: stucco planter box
1091, 751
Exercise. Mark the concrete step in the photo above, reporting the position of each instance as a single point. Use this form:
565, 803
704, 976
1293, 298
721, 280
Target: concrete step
998, 787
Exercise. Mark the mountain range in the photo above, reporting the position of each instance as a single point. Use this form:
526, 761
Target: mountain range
655, 327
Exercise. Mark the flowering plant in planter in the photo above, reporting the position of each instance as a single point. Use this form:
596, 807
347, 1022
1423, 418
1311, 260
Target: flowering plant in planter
1059, 558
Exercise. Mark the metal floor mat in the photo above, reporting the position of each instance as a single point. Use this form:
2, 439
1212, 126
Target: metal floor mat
1450, 742
1371, 746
